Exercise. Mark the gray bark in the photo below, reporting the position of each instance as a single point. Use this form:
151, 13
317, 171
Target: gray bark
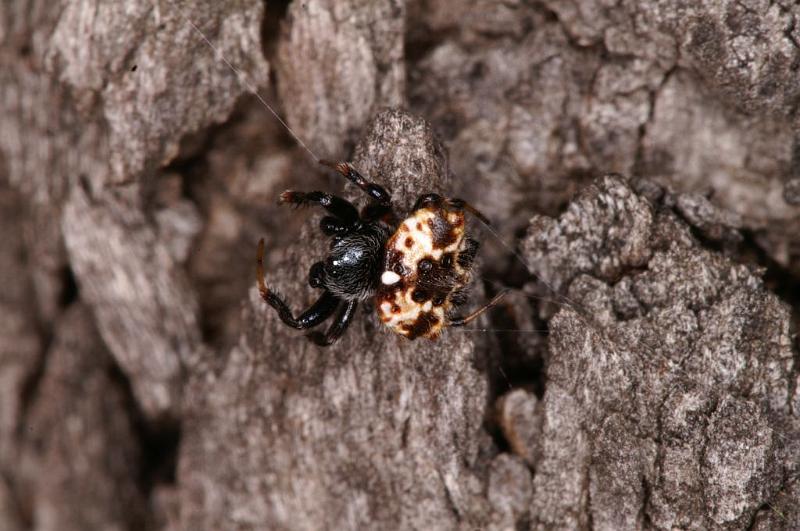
639, 164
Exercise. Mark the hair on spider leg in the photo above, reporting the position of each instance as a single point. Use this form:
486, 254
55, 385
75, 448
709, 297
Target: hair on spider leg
288, 197
262, 285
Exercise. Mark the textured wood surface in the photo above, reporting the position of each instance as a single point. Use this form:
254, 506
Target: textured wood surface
638, 162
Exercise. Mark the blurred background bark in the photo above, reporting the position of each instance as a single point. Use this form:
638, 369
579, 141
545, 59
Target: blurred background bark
143, 384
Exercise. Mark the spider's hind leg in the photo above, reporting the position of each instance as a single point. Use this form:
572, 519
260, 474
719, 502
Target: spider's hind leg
337, 328
315, 314
467, 256
464, 320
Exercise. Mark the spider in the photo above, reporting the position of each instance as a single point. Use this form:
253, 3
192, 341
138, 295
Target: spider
417, 270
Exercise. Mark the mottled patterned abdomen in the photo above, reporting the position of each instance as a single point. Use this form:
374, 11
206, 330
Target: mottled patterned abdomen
422, 272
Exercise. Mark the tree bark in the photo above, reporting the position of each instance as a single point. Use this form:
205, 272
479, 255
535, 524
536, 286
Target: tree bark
639, 166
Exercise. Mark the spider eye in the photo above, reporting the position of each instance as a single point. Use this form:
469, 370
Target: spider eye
332, 268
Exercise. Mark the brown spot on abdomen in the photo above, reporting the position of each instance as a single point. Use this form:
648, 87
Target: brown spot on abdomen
420, 295
421, 326
444, 233
394, 261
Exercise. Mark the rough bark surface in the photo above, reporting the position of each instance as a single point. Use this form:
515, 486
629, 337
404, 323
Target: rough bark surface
639, 164
78, 440
374, 431
670, 377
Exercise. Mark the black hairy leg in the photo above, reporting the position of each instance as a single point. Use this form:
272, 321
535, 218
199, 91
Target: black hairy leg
378, 212
341, 209
316, 275
315, 314
375, 191
337, 328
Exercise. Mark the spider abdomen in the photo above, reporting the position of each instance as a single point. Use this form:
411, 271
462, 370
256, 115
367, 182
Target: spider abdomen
423, 271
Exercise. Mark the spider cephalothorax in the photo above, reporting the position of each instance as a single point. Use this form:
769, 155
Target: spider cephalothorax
417, 270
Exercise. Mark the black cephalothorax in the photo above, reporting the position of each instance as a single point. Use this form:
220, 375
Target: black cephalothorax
355, 262
417, 269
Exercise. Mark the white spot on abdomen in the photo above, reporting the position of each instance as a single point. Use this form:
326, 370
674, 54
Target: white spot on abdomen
389, 278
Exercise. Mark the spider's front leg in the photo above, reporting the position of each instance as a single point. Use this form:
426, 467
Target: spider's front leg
375, 191
315, 314
340, 209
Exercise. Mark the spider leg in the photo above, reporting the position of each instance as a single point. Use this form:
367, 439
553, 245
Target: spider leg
316, 275
459, 297
460, 204
315, 314
461, 321
340, 208
467, 256
428, 200
375, 191
378, 212
337, 328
